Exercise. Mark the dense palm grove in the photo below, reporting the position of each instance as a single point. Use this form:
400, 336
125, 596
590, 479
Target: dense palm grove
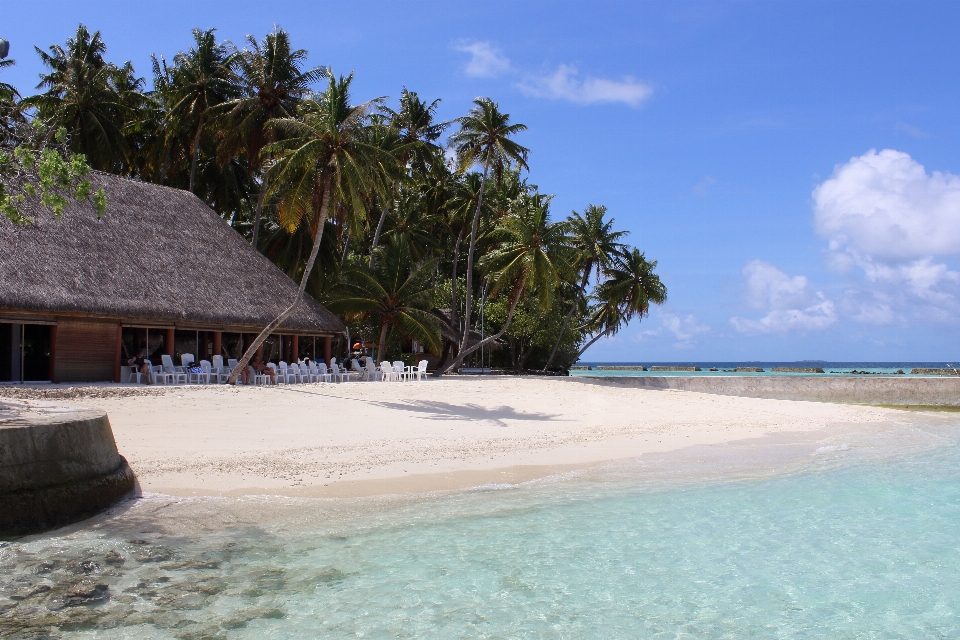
419, 233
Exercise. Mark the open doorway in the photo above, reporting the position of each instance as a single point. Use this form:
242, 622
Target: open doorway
25, 352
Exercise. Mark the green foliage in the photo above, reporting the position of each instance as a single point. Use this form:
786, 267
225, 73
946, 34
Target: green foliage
36, 168
358, 201
396, 295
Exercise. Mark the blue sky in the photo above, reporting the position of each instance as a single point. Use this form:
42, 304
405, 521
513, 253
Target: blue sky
792, 166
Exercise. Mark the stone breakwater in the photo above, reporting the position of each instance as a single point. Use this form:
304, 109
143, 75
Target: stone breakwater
871, 390
619, 368
57, 465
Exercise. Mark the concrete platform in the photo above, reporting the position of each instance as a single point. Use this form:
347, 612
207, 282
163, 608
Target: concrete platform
868, 390
57, 465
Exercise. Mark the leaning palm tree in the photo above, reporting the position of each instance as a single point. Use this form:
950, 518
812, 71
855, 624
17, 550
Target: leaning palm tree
203, 78
274, 82
529, 258
324, 161
595, 245
396, 294
484, 138
79, 96
631, 287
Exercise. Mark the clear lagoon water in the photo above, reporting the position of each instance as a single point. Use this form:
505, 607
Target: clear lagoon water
850, 535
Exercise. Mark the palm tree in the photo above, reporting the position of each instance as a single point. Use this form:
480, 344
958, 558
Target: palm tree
528, 259
203, 78
595, 245
274, 83
397, 293
80, 97
629, 290
484, 138
11, 111
414, 138
324, 161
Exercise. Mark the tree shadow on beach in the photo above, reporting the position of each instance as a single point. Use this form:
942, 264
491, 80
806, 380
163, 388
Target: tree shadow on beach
432, 410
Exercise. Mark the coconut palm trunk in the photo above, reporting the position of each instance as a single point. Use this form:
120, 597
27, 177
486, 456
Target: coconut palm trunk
464, 353
196, 154
566, 321
382, 345
467, 294
590, 344
270, 328
454, 313
256, 215
376, 235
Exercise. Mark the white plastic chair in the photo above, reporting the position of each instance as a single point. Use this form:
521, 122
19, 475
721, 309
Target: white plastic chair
387, 374
371, 368
198, 377
186, 359
401, 370
281, 370
323, 373
159, 375
337, 373
259, 378
217, 371
421, 371
308, 372
135, 374
357, 369
294, 374
171, 371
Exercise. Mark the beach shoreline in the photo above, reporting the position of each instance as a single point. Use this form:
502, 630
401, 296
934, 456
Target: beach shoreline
354, 440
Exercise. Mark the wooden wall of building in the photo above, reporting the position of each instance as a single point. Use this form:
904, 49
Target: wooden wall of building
84, 351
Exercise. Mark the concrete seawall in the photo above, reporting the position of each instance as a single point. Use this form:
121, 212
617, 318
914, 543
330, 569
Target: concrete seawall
57, 466
872, 390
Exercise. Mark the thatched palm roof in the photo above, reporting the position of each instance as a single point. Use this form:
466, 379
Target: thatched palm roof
158, 255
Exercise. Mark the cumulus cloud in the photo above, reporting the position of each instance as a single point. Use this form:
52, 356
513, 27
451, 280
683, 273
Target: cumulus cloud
566, 83
486, 61
790, 303
885, 206
885, 215
685, 329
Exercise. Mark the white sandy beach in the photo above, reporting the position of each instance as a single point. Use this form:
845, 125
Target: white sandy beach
371, 438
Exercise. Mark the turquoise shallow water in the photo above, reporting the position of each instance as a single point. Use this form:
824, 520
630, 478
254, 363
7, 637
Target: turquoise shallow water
856, 535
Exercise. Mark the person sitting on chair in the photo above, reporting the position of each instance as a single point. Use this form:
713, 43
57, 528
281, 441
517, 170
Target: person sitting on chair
140, 364
261, 368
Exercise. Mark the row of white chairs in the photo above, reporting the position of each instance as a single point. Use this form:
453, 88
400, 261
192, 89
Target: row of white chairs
397, 371
216, 372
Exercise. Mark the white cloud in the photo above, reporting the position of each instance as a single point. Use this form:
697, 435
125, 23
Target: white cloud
566, 84
885, 206
884, 214
486, 61
790, 303
685, 329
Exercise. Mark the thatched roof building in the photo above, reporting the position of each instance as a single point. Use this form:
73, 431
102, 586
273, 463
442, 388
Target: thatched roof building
160, 258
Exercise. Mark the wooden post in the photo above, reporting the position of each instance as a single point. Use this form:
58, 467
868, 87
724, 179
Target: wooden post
168, 343
259, 355
295, 349
217, 343
326, 349
117, 358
